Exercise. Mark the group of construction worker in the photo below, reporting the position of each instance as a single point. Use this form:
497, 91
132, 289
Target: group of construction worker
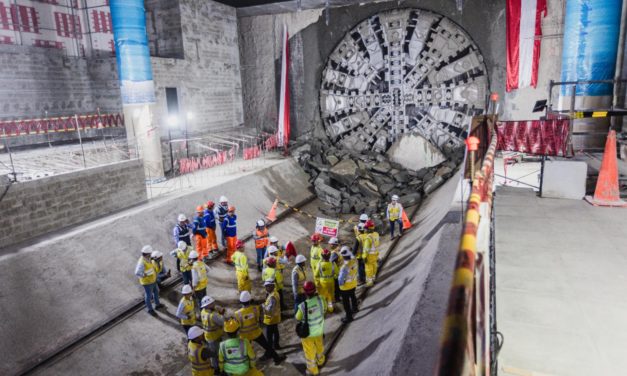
222, 341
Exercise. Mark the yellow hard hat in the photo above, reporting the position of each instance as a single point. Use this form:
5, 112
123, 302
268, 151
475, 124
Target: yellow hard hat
231, 326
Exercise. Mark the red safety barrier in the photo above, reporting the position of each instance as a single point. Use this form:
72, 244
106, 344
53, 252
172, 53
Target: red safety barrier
541, 137
271, 142
187, 165
252, 152
21, 127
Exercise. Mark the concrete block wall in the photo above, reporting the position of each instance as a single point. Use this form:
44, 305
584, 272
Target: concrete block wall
36, 207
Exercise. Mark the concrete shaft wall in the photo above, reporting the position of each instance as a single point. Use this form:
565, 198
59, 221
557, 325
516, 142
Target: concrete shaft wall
34, 208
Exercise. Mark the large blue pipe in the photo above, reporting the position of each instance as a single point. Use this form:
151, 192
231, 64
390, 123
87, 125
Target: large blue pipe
591, 33
132, 52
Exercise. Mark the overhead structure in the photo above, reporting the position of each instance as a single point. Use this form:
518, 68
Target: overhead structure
402, 71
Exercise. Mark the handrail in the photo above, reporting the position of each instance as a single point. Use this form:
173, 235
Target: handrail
464, 350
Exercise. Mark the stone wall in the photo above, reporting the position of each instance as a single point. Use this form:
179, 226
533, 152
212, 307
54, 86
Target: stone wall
36, 207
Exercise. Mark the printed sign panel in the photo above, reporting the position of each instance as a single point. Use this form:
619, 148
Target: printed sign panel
327, 227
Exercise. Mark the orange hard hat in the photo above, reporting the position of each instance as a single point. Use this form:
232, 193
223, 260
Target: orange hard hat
200, 209
271, 262
231, 209
210, 204
309, 287
239, 244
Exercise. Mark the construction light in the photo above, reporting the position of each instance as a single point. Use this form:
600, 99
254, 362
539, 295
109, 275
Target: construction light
190, 115
173, 120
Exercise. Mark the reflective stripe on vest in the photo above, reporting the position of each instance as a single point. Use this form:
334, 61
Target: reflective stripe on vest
241, 261
250, 323
183, 231
262, 239
200, 224
150, 275
194, 351
235, 356
326, 270
301, 279
394, 212
351, 277
315, 316
231, 223
273, 317
188, 309
200, 269
315, 254
183, 256
213, 331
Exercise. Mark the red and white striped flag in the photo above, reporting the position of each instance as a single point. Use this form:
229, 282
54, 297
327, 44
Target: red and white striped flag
283, 134
524, 28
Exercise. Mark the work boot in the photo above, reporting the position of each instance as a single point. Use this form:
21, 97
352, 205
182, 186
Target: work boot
159, 306
346, 320
152, 313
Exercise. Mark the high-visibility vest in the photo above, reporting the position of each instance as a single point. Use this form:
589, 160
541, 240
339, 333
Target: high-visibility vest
366, 245
273, 317
273, 273
184, 261
199, 226
189, 308
241, 262
315, 254
201, 270
351, 278
326, 271
184, 233
394, 212
150, 274
376, 241
362, 239
213, 331
235, 355
158, 266
315, 315
300, 280
248, 318
262, 239
230, 228
200, 366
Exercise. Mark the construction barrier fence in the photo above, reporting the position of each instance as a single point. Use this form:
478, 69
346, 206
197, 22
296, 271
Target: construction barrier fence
467, 338
22, 127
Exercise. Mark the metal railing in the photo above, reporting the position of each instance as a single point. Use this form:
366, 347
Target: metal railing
468, 341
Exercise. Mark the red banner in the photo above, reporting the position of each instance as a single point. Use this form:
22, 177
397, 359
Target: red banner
23, 127
541, 137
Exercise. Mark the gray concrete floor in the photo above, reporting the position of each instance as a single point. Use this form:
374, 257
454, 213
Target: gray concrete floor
561, 277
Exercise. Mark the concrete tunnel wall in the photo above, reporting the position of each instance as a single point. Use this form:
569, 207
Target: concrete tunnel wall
60, 288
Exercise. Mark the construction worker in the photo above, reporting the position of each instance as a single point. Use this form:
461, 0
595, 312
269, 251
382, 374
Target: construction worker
241, 268
200, 233
362, 219
198, 353
182, 261
336, 259
212, 319
272, 314
147, 274
371, 254
199, 276
210, 224
362, 243
347, 280
286, 251
249, 317
394, 214
186, 311
315, 250
260, 235
334, 245
313, 310
182, 231
221, 212
162, 272
271, 272
298, 279
327, 273
236, 355
229, 229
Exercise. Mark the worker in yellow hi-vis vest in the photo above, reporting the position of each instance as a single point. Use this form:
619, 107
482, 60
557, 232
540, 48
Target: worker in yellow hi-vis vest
394, 214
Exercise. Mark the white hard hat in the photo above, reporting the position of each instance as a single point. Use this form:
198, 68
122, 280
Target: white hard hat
333, 240
194, 332
187, 289
224, 199
261, 223
146, 249
345, 251
272, 249
182, 217
363, 217
269, 282
300, 259
206, 301
193, 255
182, 245
156, 254
273, 239
394, 198
244, 296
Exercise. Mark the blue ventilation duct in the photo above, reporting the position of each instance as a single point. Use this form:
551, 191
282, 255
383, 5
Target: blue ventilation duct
132, 52
591, 33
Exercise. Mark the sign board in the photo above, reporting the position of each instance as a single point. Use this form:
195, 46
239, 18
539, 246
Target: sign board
327, 227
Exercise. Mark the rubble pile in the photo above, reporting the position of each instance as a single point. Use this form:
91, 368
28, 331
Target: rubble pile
364, 183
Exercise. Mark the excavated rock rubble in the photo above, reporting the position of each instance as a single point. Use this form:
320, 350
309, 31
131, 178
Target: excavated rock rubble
348, 182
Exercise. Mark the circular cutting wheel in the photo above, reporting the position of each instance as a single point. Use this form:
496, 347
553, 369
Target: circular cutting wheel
402, 71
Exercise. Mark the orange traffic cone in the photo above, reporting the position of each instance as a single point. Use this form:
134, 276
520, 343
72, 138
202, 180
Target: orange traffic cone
406, 223
272, 214
606, 192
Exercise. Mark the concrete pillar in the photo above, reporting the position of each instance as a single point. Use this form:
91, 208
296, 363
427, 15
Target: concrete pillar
138, 90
